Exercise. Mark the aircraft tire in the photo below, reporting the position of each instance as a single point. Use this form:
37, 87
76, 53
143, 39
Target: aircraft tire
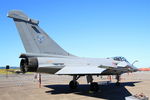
117, 83
73, 84
94, 86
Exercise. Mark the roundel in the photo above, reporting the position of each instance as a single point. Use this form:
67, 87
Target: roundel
40, 38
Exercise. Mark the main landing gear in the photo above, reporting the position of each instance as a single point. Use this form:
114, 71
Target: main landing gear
93, 85
74, 84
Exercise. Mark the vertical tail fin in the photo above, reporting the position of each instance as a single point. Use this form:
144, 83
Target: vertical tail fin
34, 39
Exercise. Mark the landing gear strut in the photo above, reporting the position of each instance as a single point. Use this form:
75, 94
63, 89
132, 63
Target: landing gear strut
118, 80
74, 84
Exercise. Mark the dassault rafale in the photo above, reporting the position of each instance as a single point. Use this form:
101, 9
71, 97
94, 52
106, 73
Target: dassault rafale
44, 55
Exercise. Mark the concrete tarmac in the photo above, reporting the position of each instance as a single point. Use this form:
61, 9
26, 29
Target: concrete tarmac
55, 87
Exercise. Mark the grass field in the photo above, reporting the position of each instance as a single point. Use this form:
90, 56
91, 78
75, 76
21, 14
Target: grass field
9, 71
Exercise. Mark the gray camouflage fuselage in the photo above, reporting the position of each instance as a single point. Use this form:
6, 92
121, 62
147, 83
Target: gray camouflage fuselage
44, 55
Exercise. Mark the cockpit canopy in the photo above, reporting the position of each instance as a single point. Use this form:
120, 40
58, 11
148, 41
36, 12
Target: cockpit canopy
119, 59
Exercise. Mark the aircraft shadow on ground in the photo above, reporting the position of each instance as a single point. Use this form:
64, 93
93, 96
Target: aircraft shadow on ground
109, 92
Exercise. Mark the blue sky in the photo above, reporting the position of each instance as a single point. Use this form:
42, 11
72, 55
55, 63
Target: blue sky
86, 28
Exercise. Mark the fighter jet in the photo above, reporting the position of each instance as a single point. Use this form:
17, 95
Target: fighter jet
44, 55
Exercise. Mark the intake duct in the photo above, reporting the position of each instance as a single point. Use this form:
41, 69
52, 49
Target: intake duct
28, 65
